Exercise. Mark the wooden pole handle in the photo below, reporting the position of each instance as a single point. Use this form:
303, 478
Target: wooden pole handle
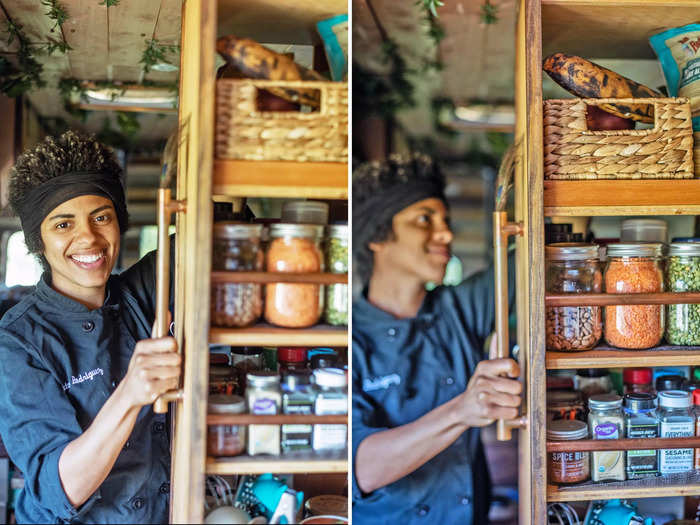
502, 229
166, 206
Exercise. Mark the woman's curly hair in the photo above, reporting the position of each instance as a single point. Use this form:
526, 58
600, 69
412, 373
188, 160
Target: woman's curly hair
375, 177
54, 157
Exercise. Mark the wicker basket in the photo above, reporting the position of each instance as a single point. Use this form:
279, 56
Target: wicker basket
571, 152
244, 132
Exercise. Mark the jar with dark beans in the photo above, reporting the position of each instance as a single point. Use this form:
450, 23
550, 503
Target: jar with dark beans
336, 310
236, 248
683, 275
573, 267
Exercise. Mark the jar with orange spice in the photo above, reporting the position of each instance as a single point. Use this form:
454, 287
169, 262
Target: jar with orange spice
572, 466
294, 248
634, 268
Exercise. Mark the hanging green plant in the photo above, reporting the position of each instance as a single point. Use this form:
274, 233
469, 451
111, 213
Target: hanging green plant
128, 124
17, 79
155, 53
57, 12
109, 3
431, 6
489, 13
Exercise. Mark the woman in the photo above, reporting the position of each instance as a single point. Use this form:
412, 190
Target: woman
78, 367
420, 393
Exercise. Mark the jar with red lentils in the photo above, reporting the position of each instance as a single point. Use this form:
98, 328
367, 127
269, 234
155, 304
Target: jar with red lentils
634, 268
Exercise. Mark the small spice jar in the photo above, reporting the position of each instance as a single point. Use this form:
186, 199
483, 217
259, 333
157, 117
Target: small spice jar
605, 421
294, 248
222, 380
226, 440
683, 275
565, 404
641, 422
298, 397
236, 248
637, 380
634, 268
676, 419
573, 267
567, 467
246, 359
592, 381
331, 398
669, 382
291, 358
336, 308
263, 397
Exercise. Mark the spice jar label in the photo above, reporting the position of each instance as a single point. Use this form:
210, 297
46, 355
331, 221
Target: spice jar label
676, 459
642, 463
606, 431
264, 406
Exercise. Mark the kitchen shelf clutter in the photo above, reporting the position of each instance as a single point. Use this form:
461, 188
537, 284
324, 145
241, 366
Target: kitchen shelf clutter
225, 273
617, 33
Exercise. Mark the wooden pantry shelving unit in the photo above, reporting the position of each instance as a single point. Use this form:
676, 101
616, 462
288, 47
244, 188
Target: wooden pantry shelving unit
202, 178
595, 29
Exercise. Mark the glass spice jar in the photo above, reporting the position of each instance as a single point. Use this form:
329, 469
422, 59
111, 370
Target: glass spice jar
605, 421
641, 422
336, 308
683, 275
222, 380
226, 440
263, 397
565, 404
245, 359
634, 268
637, 381
236, 248
573, 268
291, 358
567, 467
294, 248
298, 397
676, 419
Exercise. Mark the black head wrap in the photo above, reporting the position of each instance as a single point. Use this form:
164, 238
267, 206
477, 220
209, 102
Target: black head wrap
42, 199
383, 189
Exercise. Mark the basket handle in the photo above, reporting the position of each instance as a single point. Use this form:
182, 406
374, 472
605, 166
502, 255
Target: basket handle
636, 101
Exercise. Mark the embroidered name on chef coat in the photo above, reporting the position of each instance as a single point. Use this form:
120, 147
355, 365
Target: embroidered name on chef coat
85, 376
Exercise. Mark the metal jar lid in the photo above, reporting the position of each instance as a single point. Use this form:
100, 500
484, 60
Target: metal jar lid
689, 249
262, 379
220, 371
570, 251
237, 230
247, 350
566, 430
224, 404
635, 249
674, 399
604, 401
330, 377
669, 382
636, 402
337, 231
288, 229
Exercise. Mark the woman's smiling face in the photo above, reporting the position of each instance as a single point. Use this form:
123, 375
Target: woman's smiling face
81, 244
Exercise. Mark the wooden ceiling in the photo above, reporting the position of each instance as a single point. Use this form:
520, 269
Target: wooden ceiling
107, 44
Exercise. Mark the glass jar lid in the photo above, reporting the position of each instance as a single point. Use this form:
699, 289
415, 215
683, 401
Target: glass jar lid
604, 401
566, 430
237, 230
246, 350
286, 229
330, 377
220, 371
635, 249
262, 379
337, 231
570, 251
635, 402
690, 249
563, 396
674, 399
225, 404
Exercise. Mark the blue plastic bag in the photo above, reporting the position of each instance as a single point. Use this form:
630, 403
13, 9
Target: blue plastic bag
334, 33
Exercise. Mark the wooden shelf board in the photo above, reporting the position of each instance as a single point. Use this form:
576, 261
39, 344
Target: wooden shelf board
293, 464
568, 198
608, 357
622, 444
610, 28
279, 179
685, 484
605, 299
266, 335
279, 277
277, 419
